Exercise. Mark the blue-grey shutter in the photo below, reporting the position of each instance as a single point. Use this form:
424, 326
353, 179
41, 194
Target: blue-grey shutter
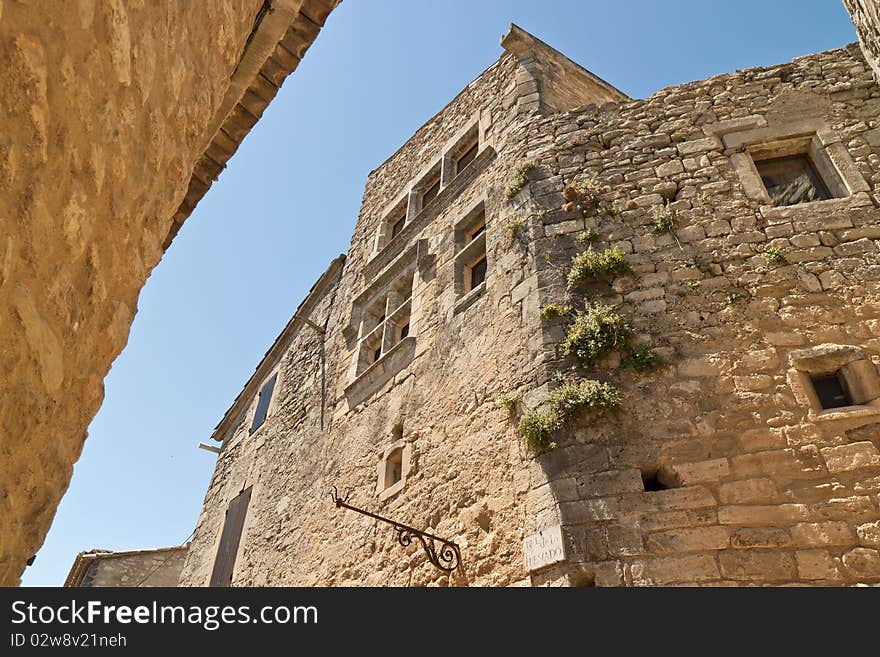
263, 403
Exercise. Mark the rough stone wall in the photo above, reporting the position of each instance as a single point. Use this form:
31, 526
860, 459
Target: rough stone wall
97, 149
761, 491
468, 475
141, 568
866, 17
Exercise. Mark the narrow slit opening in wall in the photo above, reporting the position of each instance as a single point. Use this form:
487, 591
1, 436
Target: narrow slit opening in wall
653, 481
831, 390
394, 467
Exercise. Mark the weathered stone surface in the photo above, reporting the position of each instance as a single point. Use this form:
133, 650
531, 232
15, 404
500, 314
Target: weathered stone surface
136, 568
761, 566
863, 563
851, 457
719, 468
108, 110
543, 549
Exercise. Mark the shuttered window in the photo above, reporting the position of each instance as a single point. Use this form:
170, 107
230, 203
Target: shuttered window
224, 564
263, 403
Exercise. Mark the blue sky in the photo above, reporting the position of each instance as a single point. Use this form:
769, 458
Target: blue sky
287, 203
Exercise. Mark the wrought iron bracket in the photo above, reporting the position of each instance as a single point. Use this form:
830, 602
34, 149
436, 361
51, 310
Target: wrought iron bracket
442, 554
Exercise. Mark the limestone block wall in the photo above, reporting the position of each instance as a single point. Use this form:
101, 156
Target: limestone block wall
96, 152
467, 475
866, 17
140, 568
759, 486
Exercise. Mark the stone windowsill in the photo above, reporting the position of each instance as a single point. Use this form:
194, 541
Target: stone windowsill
847, 413
468, 299
809, 210
389, 364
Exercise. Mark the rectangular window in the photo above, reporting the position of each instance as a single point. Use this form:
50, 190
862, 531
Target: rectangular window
792, 180
466, 158
397, 226
477, 272
263, 401
831, 390
224, 563
386, 321
471, 264
430, 193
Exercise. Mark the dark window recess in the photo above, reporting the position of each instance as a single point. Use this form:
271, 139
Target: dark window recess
831, 390
404, 330
430, 193
224, 564
263, 403
476, 233
478, 272
398, 226
466, 158
792, 180
394, 467
652, 482
377, 354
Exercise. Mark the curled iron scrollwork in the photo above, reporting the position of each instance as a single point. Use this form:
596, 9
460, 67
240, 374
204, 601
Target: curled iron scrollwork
443, 554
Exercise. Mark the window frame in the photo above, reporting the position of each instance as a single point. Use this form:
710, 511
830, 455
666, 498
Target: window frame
859, 376
273, 380
384, 489
811, 137
469, 248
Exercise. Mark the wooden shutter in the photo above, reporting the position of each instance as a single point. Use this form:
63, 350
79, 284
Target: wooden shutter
263, 403
224, 564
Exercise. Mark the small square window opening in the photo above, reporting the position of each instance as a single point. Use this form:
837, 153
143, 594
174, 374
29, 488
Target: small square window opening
831, 389
792, 180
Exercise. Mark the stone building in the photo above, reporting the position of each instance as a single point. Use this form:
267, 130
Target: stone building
117, 118
135, 568
588, 339
865, 15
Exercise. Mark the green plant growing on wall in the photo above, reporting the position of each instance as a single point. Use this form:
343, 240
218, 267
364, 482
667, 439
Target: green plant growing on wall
514, 227
643, 359
775, 255
586, 236
551, 311
509, 401
595, 332
536, 428
665, 219
734, 296
591, 265
584, 395
519, 179
693, 286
